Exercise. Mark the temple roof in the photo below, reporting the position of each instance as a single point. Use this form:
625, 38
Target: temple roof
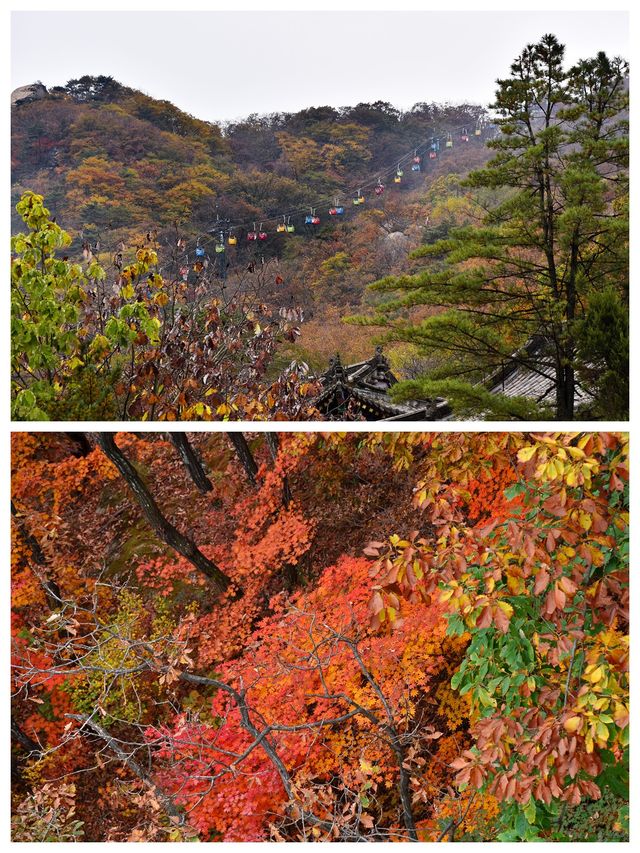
361, 390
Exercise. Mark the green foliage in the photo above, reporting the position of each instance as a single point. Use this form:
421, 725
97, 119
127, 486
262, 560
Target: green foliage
46, 298
467, 399
112, 683
60, 363
603, 343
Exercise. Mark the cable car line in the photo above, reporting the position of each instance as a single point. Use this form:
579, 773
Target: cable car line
429, 147
432, 142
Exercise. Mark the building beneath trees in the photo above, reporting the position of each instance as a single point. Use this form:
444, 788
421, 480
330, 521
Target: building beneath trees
361, 392
530, 373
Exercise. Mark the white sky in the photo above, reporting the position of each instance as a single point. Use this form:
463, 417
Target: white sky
225, 65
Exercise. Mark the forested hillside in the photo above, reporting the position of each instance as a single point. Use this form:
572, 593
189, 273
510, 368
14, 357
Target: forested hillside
114, 164
340, 637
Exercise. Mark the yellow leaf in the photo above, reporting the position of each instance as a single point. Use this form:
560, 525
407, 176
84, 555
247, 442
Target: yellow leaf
595, 675
576, 452
506, 608
572, 724
585, 521
526, 453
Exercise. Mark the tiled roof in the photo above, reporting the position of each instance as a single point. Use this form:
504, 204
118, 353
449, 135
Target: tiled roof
531, 374
364, 386
528, 373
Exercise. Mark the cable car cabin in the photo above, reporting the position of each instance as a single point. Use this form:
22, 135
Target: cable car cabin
199, 252
251, 236
359, 200
464, 136
262, 235
415, 167
478, 131
379, 189
399, 173
233, 241
417, 159
333, 211
219, 248
290, 229
308, 220
281, 229
433, 155
315, 220
397, 179
449, 142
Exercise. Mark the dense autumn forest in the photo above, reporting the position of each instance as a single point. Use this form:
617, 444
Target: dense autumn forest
120, 170
113, 164
320, 637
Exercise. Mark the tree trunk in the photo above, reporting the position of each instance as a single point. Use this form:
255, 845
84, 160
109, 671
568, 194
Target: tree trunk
19, 737
274, 446
165, 530
49, 586
82, 443
191, 461
291, 572
565, 387
243, 452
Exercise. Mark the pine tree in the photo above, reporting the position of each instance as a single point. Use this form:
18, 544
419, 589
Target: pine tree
556, 239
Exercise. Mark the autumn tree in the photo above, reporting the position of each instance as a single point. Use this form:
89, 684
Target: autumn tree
540, 586
183, 345
154, 516
544, 259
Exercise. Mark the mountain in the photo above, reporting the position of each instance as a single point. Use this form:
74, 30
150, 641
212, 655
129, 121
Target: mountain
114, 164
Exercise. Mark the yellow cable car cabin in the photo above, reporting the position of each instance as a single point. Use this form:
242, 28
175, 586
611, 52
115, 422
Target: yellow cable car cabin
233, 241
449, 143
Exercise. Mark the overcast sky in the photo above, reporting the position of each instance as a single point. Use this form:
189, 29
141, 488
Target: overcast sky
225, 65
